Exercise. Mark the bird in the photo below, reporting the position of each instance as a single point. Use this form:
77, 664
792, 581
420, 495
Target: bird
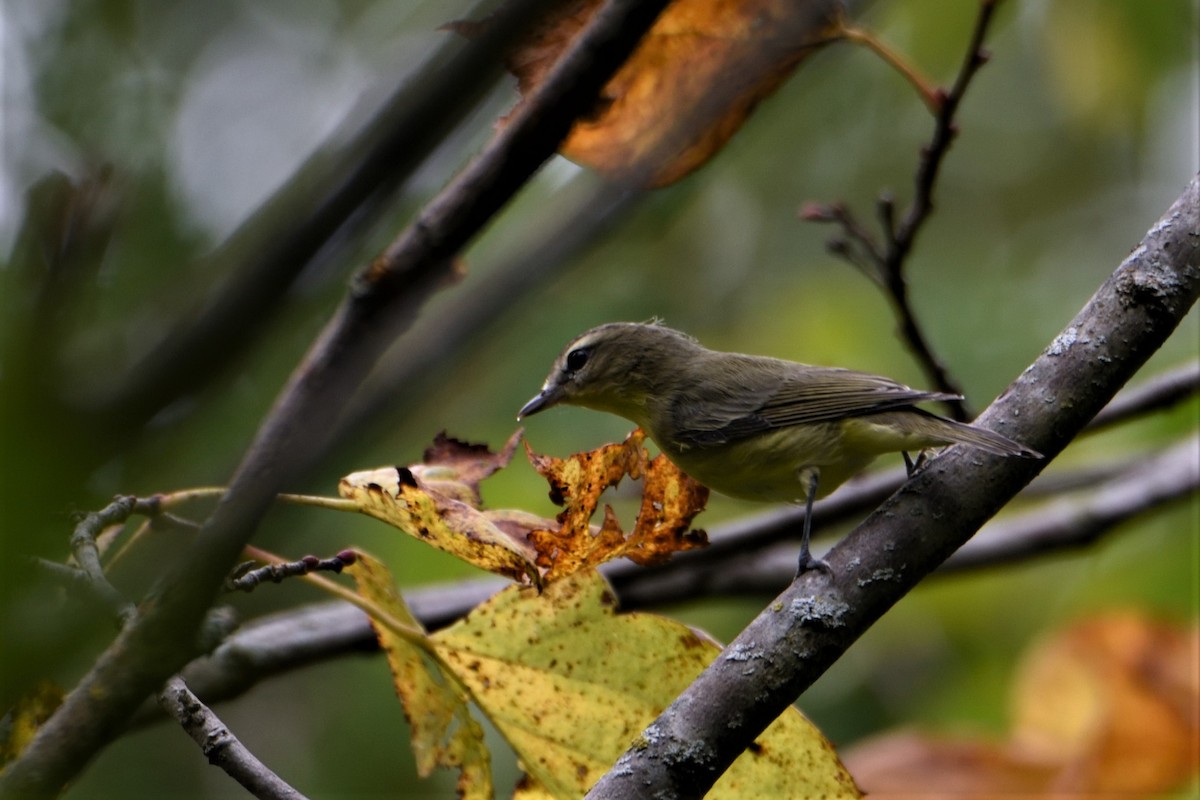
752, 427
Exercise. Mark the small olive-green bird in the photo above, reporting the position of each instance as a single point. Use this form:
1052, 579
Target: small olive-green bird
747, 426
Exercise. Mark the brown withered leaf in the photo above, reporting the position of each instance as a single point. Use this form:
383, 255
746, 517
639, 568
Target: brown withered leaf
456, 468
670, 500
690, 84
1106, 708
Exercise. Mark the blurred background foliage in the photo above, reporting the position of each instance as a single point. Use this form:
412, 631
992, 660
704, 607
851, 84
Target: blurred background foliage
1074, 139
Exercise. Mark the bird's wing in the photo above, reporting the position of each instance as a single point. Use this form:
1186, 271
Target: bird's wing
782, 394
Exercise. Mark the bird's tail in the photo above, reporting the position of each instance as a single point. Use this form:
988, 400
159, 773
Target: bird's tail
963, 433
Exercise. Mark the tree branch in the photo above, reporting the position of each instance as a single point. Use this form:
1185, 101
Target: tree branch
465, 319
809, 626
1162, 391
1073, 523
291, 640
749, 556
220, 746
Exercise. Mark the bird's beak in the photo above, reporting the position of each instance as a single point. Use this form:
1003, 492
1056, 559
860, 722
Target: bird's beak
548, 396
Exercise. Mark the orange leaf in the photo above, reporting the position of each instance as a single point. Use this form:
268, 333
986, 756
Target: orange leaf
690, 84
670, 501
1115, 697
1105, 708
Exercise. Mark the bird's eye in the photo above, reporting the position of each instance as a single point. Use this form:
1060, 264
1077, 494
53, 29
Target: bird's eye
576, 359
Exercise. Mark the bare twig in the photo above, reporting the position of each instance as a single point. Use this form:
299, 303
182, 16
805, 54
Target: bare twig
246, 577
83, 585
819, 616
220, 746
885, 263
930, 96
381, 303
87, 555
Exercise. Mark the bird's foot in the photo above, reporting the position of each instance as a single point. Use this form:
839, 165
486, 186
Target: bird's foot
810, 562
913, 466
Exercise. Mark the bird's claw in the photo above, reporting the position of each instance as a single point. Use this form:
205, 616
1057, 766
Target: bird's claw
810, 562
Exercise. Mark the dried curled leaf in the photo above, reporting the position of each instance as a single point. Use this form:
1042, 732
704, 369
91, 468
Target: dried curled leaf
670, 500
437, 502
456, 468
691, 83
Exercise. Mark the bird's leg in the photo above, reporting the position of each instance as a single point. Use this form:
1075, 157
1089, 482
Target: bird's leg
911, 465
807, 561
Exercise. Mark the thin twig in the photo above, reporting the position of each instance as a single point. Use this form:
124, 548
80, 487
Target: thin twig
220, 746
899, 242
886, 263
246, 577
80, 583
87, 554
929, 96
1075, 522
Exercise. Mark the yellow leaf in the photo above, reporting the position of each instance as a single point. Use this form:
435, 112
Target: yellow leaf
443, 732
26, 716
571, 684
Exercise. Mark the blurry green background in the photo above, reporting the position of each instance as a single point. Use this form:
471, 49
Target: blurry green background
1075, 138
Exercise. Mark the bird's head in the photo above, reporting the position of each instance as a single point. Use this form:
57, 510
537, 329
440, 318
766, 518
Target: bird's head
619, 367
